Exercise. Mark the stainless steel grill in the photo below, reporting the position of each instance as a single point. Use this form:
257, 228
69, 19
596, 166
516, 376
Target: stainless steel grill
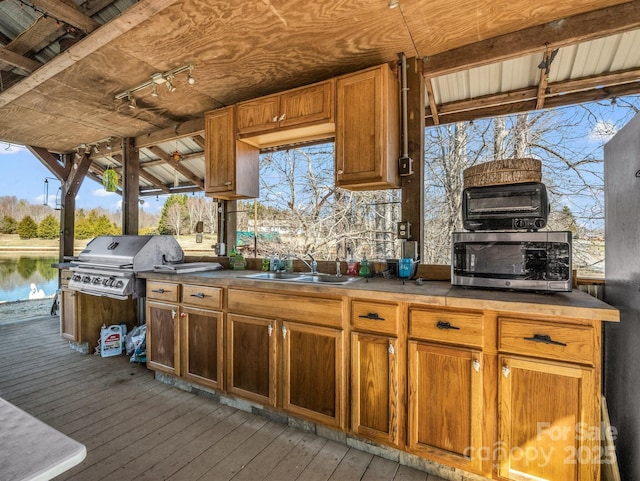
107, 266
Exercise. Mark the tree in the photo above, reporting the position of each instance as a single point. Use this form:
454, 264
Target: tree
93, 224
8, 225
49, 228
174, 220
27, 228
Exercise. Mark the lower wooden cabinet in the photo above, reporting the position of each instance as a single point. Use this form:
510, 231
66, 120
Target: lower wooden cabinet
446, 404
68, 315
313, 372
252, 358
375, 403
163, 337
548, 423
203, 348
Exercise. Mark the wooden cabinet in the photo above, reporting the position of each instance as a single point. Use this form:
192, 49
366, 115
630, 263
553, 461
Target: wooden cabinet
368, 130
252, 354
297, 115
445, 402
163, 327
549, 405
377, 379
297, 342
231, 166
202, 335
68, 315
313, 372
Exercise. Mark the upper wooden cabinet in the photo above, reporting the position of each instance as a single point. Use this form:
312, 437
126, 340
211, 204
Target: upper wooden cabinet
231, 166
368, 130
298, 115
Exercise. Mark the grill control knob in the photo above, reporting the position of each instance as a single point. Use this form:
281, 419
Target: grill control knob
86, 279
119, 284
76, 277
96, 280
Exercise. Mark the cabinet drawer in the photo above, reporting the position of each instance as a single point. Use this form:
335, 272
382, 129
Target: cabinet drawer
310, 310
548, 340
445, 326
162, 291
202, 296
375, 317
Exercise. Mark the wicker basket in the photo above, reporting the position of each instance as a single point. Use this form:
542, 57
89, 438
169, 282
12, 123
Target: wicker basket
503, 171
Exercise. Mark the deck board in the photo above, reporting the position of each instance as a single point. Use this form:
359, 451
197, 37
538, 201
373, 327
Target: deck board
136, 428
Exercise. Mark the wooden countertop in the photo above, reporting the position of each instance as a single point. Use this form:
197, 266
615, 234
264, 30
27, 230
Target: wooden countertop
576, 304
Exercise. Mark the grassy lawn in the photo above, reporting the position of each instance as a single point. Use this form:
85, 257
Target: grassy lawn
12, 242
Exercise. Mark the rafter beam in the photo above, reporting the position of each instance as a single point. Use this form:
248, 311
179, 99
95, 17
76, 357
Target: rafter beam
580, 28
528, 102
68, 14
17, 60
131, 18
176, 165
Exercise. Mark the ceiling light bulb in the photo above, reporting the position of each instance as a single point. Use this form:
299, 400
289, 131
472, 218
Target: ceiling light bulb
394, 3
190, 80
132, 102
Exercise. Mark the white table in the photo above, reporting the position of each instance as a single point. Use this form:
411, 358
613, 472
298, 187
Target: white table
32, 450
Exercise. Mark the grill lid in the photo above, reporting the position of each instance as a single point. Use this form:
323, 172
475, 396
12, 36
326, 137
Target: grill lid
131, 252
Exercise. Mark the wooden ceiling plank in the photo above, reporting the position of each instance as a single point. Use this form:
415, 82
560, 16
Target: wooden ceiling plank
68, 14
132, 17
17, 60
176, 165
571, 30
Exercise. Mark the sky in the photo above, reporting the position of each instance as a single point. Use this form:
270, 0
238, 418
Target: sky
24, 175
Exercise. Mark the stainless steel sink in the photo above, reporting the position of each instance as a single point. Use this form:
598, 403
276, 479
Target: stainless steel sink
302, 277
272, 276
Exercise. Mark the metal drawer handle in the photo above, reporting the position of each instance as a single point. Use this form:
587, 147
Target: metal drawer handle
159, 291
199, 295
445, 325
373, 316
545, 339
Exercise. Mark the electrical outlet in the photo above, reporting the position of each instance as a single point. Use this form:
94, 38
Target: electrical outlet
405, 166
404, 230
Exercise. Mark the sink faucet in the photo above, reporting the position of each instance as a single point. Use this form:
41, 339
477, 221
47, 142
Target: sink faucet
313, 266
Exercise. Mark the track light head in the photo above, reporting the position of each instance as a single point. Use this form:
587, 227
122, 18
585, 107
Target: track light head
154, 90
190, 80
170, 86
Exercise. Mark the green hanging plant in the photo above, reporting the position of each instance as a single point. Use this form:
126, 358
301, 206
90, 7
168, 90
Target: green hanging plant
110, 180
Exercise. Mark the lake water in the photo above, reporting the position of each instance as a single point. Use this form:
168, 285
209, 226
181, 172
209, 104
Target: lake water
19, 271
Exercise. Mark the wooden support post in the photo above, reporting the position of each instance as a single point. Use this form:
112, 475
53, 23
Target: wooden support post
413, 185
130, 186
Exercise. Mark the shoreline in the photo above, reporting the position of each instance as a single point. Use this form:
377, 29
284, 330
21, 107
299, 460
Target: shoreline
16, 311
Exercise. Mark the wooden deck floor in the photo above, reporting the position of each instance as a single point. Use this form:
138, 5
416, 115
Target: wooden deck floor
136, 428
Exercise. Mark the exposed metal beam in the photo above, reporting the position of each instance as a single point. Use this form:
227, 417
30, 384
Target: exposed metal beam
580, 28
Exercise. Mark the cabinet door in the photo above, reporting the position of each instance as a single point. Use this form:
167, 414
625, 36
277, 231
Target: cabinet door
547, 429
68, 316
163, 337
313, 373
231, 167
203, 346
367, 130
258, 115
251, 357
374, 387
445, 404
307, 105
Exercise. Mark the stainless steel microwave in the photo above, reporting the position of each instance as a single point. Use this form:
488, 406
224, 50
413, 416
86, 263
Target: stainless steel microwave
533, 261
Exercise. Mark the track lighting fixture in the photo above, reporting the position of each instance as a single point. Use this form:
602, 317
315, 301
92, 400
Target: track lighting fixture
156, 79
394, 3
